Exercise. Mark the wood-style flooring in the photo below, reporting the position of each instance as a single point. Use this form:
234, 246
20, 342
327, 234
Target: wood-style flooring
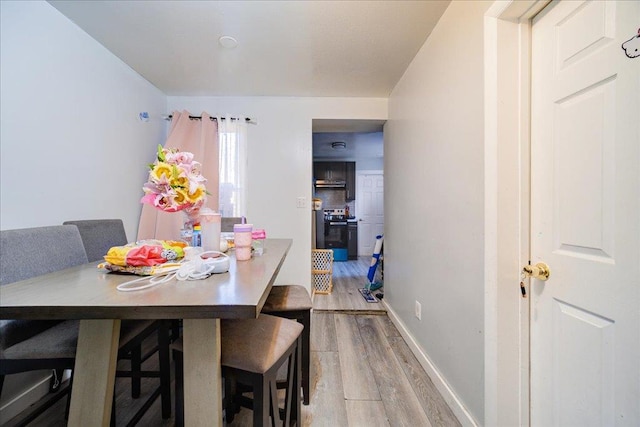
363, 372
348, 278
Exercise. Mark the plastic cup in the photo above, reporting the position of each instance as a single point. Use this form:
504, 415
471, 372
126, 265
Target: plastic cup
242, 239
210, 222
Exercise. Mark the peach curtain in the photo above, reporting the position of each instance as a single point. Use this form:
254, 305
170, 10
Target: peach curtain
200, 137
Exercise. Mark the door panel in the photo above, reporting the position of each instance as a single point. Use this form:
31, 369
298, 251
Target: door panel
370, 211
585, 29
585, 216
583, 361
583, 160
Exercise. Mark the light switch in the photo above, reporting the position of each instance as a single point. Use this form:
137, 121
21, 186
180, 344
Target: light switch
301, 202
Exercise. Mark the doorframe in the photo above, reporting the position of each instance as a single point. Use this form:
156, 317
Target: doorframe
507, 65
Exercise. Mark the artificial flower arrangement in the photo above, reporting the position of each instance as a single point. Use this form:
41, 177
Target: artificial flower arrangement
175, 182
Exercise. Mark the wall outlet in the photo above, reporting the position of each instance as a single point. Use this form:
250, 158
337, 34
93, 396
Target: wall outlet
418, 310
301, 202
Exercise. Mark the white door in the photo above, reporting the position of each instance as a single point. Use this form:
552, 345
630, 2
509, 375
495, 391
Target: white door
585, 217
370, 211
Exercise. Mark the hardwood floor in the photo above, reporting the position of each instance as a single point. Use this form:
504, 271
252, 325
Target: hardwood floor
381, 385
348, 278
363, 373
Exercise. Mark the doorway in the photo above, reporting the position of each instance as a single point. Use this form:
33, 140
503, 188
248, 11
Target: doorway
348, 183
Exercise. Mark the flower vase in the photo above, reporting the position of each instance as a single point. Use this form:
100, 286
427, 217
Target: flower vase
191, 217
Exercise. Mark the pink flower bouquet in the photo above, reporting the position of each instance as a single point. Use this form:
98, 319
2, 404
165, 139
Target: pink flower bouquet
175, 182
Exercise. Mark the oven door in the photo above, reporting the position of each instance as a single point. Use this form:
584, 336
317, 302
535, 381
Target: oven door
335, 234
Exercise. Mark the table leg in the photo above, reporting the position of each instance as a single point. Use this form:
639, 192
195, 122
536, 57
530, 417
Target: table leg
94, 372
202, 372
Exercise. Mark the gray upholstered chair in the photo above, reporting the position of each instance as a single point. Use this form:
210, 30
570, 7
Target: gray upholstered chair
27, 345
252, 352
99, 235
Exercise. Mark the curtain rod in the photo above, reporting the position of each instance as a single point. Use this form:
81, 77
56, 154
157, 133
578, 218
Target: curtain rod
247, 119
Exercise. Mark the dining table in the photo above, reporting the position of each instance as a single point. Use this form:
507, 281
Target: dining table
89, 293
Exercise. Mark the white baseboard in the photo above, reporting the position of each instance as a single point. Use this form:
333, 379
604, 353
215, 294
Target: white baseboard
26, 398
463, 415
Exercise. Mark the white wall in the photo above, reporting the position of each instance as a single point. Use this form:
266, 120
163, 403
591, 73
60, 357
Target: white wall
71, 144
369, 163
434, 201
280, 161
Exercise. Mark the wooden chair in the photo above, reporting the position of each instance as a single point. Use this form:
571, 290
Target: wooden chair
252, 351
293, 302
27, 345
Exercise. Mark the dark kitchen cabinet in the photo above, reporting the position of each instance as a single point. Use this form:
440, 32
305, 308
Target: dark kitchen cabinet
330, 171
352, 240
350, 181
338, 171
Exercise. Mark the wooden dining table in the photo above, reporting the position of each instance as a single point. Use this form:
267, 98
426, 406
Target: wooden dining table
89, 294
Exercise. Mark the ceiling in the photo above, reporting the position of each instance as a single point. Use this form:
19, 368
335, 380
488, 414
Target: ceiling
285, 48
358, 145
363, 138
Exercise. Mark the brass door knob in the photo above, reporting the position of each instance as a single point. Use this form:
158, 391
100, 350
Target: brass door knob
539, 271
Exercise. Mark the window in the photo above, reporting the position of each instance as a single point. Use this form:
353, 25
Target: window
233, 167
